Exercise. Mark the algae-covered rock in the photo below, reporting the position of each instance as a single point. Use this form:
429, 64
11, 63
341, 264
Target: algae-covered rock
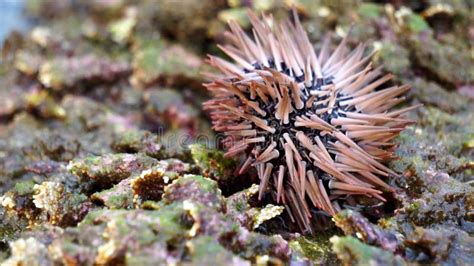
440, 245
316, 249
212, 162
58, 206
134, 141
150, 184
432, 94
120, 196
433, 174
110, 169
205, 250
41, 103
353, 252
17, 210
445, 203
394, 58
159, 62
354, 224
168, 107
239, 207
28, 252
60, 73
28, 204
446, 64
196, 189
411, 21
191, 213
186, 21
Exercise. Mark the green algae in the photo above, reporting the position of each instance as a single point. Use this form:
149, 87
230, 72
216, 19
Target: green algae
206, 250
316, 249
370, 10
212, 161
416, 23
353, 252
24, 188
156, 60
120, 196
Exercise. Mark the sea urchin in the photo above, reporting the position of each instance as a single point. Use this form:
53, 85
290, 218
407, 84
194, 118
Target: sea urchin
316, 127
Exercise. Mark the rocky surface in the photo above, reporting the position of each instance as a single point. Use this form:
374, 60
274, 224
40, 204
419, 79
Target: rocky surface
107, 158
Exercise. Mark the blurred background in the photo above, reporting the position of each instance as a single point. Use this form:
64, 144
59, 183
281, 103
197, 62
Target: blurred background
84, 82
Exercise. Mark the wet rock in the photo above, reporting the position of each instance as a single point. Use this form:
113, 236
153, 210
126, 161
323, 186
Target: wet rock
431, 196
354, 224
11, 102
44, 37
210, 221
369, 22
448, 246
88, 116
203, 201
177, 141
422, 148
47, 203
232, 236
443, 200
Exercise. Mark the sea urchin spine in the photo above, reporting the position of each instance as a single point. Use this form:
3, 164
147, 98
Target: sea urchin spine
316, 127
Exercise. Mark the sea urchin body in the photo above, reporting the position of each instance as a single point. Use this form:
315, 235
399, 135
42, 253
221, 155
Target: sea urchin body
316, 126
